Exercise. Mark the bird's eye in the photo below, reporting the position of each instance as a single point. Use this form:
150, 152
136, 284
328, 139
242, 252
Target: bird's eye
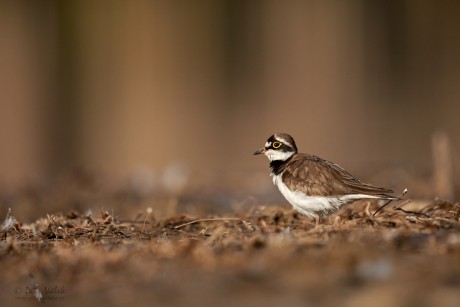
277, 144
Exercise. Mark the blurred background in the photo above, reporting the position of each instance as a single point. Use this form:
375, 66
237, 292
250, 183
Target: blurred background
174, 96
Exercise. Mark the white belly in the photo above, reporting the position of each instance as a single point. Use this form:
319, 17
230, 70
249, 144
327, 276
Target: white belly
313, 205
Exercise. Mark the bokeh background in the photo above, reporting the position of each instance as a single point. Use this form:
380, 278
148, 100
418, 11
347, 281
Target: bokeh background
152, 96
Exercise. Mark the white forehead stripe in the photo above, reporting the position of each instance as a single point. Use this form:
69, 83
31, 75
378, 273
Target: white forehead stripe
282, 140
267, 144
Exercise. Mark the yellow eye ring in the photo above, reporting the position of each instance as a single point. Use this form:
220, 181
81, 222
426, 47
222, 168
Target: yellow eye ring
277, 145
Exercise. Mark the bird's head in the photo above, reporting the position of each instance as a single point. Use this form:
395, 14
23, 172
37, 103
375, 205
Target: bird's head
279, 147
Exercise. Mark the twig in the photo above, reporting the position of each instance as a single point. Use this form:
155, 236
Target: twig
403, 204
443, 168
208, 220
368, 213
412, 212
379, 209
403, 193
399, 208
389, 201
149, 210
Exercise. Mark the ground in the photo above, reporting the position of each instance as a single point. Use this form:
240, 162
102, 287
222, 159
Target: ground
265, 256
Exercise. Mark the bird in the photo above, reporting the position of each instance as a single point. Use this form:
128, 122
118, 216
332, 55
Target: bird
315, 187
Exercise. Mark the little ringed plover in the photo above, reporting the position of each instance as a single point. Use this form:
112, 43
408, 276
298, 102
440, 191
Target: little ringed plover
314, 186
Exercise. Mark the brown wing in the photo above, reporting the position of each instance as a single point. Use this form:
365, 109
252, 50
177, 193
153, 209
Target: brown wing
315, 176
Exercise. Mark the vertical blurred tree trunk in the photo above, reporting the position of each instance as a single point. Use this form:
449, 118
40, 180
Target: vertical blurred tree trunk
412, 73
149, 78
117, 86
313, 75
27, 74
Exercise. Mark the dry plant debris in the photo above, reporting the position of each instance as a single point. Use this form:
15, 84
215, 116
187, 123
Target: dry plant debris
270, 256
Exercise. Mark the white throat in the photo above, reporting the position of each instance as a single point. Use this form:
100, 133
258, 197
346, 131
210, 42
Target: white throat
274, 155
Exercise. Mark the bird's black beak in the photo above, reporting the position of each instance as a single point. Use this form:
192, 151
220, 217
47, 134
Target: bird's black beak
260, 151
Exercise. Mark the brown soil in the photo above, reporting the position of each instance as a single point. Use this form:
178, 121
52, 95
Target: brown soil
269, 256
